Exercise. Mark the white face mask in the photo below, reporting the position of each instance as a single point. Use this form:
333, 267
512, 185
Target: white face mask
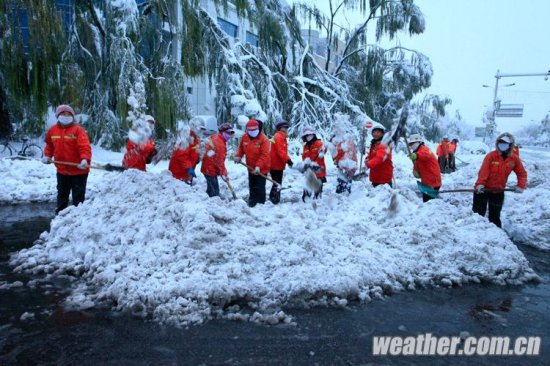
309, 137
503, 146
65, 120
253, 133
227, 136
414, 146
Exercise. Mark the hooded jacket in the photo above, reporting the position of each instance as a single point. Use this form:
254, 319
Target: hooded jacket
497, 166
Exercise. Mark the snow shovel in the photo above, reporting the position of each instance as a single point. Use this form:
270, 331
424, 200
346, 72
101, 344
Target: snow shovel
107, 167
435, 194
226, 180
263, 176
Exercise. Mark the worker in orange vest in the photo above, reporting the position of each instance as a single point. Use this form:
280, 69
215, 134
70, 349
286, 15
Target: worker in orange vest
493, 176
66, 141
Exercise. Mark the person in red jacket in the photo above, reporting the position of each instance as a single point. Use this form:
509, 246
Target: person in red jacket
314, 151
66, 141
344, 156
256, 146
139, 153
493, 176
379, 159
213, 162
442, 152
279, 159
185, 157
425, 165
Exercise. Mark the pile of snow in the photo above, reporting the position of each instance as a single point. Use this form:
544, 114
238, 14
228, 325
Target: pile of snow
153, 246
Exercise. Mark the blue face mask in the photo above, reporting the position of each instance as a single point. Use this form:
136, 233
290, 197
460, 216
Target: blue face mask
503, 146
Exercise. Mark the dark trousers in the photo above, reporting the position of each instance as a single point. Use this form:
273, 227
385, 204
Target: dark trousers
316, 195
212, 186
343, 185
275, 193
426, 198
452, 162
443, 164
495, 201
256, 187
67, 184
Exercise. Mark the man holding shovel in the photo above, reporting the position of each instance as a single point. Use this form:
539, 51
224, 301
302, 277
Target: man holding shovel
67, 141
493, 176
256, 147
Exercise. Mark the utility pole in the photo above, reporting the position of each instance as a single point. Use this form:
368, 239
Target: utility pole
491, 125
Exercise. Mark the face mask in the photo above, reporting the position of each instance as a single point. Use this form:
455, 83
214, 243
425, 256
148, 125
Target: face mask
253, 133
65, 120
414, 146
309, 137
226, 135
503, 146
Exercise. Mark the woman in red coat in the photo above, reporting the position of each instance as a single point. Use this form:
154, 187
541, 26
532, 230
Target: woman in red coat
213, 162
425, 165
68, 142
185, 158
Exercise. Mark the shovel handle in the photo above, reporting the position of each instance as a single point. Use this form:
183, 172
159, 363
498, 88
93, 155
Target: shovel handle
75, 164
230, 188
262, 175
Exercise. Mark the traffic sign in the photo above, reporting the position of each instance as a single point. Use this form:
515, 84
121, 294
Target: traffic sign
368, 124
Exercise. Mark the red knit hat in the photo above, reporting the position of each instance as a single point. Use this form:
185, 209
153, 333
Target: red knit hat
252, 125
63, 108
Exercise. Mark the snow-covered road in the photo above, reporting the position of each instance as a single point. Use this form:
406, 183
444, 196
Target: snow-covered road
152, 245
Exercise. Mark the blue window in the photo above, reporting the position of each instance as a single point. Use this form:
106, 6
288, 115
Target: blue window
252, 39
228, 27
66, 10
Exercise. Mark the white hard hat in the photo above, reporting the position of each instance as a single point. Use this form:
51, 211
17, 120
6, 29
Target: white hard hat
505, 138
308, 131
414, 138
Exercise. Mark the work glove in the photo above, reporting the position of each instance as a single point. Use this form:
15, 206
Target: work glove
416, 174
238, 159
290, 163
83, 164
191, 172
413, 156
519, 190
46, 160
256, 170
480, 188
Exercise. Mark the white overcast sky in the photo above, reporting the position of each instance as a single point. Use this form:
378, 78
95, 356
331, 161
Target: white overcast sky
467, 41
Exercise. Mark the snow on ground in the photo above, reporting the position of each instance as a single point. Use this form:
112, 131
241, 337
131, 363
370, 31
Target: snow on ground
153, 246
